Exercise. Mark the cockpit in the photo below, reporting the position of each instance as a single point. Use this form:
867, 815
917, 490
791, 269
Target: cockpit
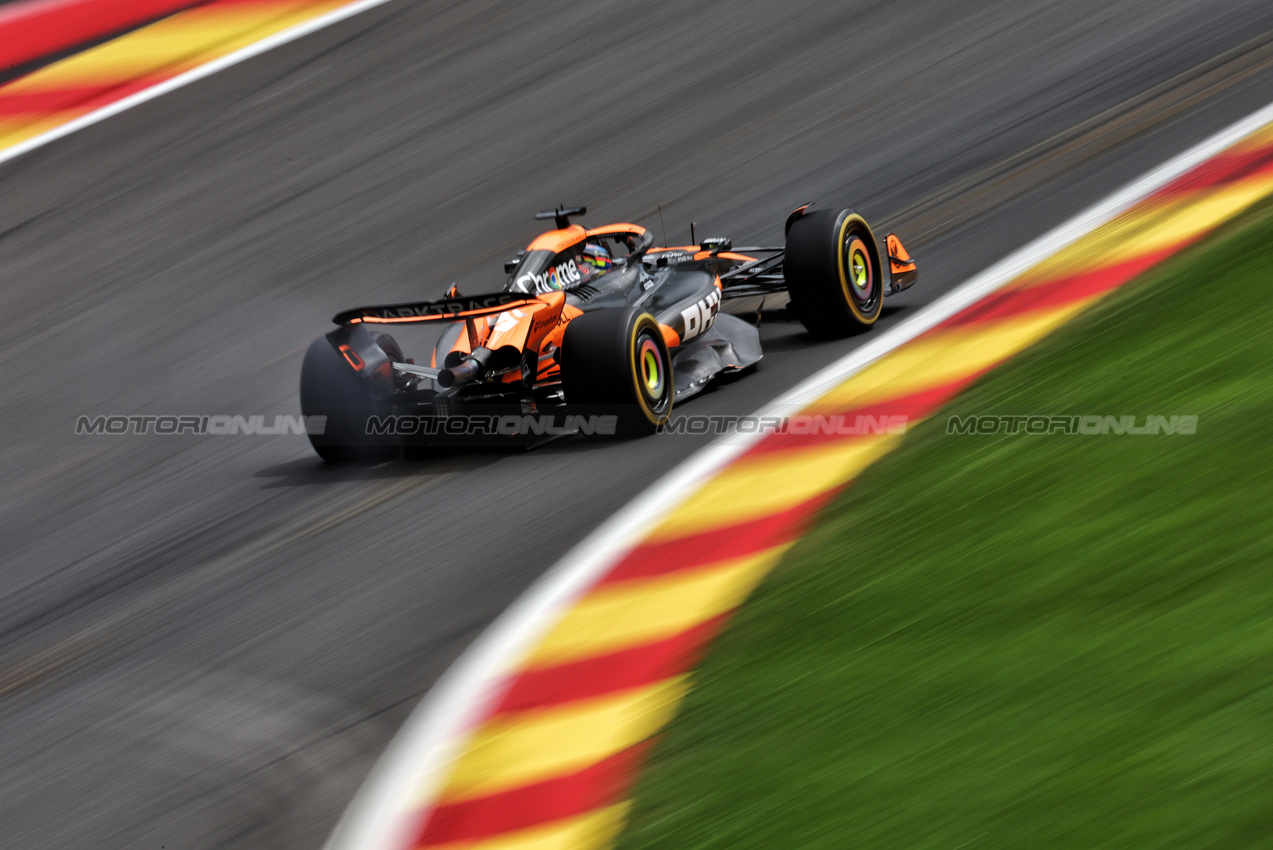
563, 259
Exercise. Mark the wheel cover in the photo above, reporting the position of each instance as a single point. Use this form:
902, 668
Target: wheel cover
652, 374
859, 274
650, 368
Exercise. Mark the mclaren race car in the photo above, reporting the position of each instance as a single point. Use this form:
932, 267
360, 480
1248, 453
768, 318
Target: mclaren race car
596, 331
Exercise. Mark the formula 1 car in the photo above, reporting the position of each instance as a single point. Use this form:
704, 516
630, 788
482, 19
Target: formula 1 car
596, 331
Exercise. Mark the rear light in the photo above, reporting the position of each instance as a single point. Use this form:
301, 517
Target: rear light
352, 358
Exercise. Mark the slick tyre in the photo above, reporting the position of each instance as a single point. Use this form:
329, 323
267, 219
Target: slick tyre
833, 271
331, 388
390, 347
615, 362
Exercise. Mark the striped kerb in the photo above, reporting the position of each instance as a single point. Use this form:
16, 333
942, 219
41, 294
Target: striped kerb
63, 91
551, 765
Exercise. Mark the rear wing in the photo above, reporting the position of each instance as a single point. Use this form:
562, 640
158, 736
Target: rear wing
448, 309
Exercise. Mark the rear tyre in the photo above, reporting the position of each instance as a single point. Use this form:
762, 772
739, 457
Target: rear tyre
390, 347
615, 362
833, 271
330, 388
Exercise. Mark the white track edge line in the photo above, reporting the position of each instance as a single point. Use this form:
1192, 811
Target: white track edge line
194, 74
408, 776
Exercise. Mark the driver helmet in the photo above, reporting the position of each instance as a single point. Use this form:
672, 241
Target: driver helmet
594, 259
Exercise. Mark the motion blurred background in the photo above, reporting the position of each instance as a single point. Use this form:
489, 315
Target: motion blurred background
206, 641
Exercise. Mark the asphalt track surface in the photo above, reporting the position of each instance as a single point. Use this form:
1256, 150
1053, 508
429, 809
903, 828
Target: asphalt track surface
206, 641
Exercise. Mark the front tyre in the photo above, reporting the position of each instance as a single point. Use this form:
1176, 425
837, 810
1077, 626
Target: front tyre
615, 362
833, 272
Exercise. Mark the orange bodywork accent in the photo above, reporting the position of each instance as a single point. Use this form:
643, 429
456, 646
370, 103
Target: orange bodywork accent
509, 329
525, 327
728, 255
670, 337
352, 358
610, 229
558, 331
416, 320
463, 343
534, 327
544, 322
702, 255
558, 240
548, 367
899, 260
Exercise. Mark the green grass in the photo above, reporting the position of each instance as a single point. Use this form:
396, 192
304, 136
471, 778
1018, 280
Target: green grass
1021, 641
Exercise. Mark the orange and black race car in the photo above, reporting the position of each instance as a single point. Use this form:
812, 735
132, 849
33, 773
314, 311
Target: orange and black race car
596, 331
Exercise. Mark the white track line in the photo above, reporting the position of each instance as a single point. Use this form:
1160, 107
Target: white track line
410, 772
159, 89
